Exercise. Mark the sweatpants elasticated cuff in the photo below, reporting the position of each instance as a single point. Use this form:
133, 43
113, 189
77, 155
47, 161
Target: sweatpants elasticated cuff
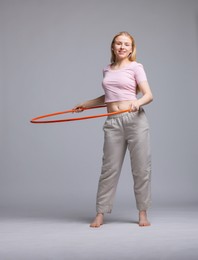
144, 207
105, 209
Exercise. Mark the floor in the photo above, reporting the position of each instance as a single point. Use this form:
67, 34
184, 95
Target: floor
173, 235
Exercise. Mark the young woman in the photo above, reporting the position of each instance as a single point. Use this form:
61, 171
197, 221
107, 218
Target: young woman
122, 80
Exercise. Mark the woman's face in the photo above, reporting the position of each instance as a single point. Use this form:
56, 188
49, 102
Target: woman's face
122, 47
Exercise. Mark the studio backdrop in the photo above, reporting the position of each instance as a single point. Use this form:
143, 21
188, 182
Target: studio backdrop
52, 54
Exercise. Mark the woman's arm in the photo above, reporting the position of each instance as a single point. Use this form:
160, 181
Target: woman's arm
146, 98
90, 103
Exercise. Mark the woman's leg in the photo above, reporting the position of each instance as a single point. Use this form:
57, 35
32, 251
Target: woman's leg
139, 147
114, 151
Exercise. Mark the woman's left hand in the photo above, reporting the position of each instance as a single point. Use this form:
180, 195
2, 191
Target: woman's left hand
135, 106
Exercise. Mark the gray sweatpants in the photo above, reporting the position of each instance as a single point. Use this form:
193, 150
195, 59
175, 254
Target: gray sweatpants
124, 130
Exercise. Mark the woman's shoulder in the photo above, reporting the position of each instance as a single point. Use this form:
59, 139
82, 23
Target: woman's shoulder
135, 64
107, 67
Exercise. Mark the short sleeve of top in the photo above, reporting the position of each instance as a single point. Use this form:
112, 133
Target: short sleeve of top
121, 84
139, 73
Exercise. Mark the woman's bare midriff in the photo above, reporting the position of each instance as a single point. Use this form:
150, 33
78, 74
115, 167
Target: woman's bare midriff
118, 106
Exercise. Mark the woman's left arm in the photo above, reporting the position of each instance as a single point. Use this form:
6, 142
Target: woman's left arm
146, 97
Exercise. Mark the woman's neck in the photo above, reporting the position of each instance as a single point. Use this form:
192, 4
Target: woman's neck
120, 63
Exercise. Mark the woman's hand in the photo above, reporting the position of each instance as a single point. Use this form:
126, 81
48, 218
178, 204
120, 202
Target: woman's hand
79, 108
135, 106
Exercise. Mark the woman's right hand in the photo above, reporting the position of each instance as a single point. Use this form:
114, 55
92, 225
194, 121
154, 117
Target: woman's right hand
78, 108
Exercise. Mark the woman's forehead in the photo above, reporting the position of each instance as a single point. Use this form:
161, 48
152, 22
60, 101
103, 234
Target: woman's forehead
123, 38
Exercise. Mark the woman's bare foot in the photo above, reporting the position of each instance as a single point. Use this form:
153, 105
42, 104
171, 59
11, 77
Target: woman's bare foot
98, 221
143, 221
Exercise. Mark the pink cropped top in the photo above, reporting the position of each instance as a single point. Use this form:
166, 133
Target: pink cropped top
120, 84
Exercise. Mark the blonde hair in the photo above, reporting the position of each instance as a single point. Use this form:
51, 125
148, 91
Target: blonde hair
132, 56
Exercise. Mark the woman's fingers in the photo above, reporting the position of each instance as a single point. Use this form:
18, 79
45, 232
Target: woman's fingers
78, 109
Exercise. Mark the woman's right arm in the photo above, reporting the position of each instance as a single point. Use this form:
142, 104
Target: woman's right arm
99, 101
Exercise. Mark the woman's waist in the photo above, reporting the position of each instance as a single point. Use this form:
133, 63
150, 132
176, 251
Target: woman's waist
118, 106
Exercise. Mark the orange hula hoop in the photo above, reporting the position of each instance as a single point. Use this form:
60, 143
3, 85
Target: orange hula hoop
37, 120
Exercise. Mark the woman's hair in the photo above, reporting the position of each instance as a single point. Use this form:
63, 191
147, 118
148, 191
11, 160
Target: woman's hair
132, 56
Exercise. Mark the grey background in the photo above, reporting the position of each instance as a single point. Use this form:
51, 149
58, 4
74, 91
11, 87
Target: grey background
51, 57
